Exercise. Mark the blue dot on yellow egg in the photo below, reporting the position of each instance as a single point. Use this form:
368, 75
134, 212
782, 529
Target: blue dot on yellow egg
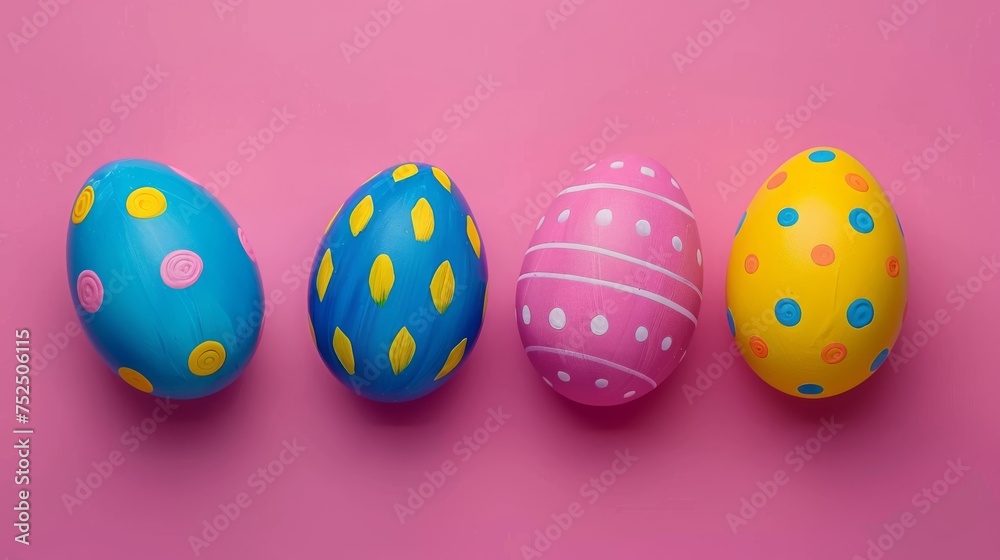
822, 156
739, 226
787, 217
860, 313
879, 360
732, 323
861, 220
788, 312
810, 389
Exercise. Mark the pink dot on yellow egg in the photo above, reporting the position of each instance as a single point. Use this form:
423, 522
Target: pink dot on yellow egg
751, 264
857, 182
834, 353
777, 180
823, 255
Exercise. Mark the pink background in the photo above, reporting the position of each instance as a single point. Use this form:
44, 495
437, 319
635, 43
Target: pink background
698, 455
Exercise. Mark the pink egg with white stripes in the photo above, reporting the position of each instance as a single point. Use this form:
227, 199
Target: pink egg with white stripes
610, 287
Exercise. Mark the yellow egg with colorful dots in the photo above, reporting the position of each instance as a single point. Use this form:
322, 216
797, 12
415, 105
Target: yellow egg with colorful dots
817, 278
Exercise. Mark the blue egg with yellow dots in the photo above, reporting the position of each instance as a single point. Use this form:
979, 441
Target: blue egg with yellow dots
163, 279
398, 286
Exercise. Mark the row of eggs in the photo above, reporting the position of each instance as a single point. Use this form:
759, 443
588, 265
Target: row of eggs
606, 303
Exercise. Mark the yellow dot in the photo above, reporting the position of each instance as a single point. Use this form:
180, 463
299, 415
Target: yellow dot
423, 220
361, 214
470, 228
453, 358
206, 358
146, 202
324, 274
442, 178
83, 204
443, 287
335, 214
135, 379
381, 278
404, 171
401, 350
342, 347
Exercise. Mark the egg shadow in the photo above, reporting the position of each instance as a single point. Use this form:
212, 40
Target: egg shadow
857, 404
620, 417
417, 412
202, 412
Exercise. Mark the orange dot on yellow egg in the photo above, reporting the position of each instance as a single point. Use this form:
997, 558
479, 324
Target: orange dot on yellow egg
892, 266
857, 182
777, 180
751, 264
823, 255
834, 353
758, 346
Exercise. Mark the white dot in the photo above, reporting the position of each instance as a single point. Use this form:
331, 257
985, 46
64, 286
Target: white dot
563, 376
557, 318
642, 228
589, 167
674, 182
665, 345
648, 172
617, 165
526, 315
603, 217
641, 334
601, 383
599, 325
563, 216
630, 394
699, 257
676, 241
682, 356
540, 223
547, 382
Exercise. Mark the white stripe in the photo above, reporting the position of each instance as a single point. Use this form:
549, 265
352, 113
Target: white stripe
615, 285
622, 256
589, 358
613, 186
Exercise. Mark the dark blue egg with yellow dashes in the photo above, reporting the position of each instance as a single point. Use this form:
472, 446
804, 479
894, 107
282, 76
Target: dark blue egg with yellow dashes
398, 285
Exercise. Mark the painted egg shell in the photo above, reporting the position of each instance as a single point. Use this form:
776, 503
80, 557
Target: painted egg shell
398, 288
817, 278
610, 287
163, 279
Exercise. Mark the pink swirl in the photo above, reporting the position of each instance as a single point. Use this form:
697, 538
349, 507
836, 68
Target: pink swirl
90, 291
246, 243
181, 268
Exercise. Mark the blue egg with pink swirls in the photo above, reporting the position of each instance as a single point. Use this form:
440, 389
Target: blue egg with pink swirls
163, 279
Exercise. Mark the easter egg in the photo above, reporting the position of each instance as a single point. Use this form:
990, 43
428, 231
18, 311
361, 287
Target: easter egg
398, 285
610, 286
163, 280
817, 278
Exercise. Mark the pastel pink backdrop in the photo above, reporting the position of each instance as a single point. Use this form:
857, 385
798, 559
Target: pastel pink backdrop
888, 94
